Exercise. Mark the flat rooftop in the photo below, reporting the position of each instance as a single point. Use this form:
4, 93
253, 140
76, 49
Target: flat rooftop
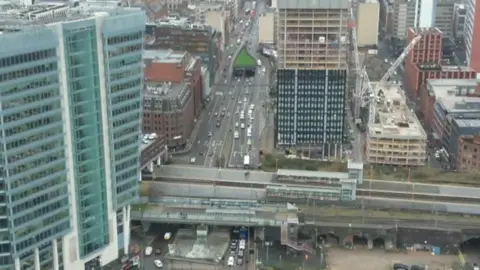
163, 56
446, 88
395, 120
14, 16
460, 104
163, 90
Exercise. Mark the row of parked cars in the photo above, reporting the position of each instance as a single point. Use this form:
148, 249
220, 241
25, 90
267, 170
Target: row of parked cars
238, 246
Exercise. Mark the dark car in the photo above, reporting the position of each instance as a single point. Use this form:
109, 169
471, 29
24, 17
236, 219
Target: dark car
240, 261
400, 266
218, 123
158, 251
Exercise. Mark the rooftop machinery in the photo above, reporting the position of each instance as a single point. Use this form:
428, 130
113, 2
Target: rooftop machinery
364, 93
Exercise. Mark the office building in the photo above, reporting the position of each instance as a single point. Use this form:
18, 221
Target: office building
425, 62
368, 12
396, 137
404, 16
179, 34
469, 152
266, 29
444, 16
472, 33
458, 21
455, 117
71, 82
311, 74
173, 93
437, 89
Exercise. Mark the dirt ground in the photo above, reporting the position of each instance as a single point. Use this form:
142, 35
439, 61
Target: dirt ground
363, 259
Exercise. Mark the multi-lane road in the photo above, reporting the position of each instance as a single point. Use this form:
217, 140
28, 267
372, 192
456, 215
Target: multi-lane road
217, 144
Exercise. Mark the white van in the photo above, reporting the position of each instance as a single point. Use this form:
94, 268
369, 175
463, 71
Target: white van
235, 135
242, 116
242, 125
231, 261
192, 160
249, 142
148, 251
249, 132
259, 62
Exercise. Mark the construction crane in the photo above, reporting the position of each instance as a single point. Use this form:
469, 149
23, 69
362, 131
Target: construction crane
364, 94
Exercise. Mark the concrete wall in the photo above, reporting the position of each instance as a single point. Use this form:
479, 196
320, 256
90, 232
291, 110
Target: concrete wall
266, 33
215, 19
367, 23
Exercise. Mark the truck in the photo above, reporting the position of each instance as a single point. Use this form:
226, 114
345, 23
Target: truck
246, 161
243, 233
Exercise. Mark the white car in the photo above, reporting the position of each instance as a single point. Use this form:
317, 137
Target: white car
236, 124
148, 251
210, 134
249, 142
158, 263
167, 236
236, 135
231, 261
242, 126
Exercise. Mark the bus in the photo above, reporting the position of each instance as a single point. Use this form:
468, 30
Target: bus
246, 161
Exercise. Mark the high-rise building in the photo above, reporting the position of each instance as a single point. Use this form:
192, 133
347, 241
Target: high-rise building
471, 33
71, 83
368, 12
444, 16
311, 73
458, 21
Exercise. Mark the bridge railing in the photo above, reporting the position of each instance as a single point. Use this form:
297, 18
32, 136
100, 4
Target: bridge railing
206, 218
300, 246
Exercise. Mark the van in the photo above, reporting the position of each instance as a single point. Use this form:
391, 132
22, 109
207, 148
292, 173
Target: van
192, 160
236, 135
259, 62
249, 132
230, 261
249, 142
148, 251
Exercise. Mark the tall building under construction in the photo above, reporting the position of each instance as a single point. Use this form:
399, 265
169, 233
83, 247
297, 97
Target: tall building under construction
312, 43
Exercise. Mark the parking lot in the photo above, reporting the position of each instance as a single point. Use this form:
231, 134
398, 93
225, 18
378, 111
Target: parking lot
364, 259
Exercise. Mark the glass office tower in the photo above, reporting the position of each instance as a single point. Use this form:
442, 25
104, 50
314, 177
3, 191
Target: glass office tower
311, 108
71, 90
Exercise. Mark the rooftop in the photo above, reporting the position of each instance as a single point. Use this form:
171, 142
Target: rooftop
395, 120
446, 88
460, 104
14, 16
165, 90
463, 123
471, 139
164, 56
313, 4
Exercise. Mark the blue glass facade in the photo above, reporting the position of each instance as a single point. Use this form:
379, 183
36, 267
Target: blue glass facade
124, 47
34, 207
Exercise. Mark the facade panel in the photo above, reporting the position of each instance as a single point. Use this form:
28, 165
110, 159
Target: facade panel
311, 107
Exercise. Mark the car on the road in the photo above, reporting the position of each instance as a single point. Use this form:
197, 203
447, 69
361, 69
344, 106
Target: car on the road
158, 263
239, 261
222, 114
236, 124
148, 251
242, 125
218, 123
215, 113
240, 253
230, 261
158, 251
210, 134
249, 142
192, 160
475, 266
236, 135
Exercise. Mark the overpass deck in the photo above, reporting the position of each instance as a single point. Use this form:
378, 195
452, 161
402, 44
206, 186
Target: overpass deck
195, 214
369, 188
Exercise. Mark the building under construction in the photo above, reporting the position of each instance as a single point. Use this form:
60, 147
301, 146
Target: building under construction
312, 44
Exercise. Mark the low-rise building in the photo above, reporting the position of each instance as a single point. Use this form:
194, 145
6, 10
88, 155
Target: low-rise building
397, 137
176, 67
469, 153
181, 34
368, 12
436, 89
168, 110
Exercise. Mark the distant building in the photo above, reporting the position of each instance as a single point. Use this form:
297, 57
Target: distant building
368, 12
444, 16
172, 96
266, 29
397, 137
469, 152
425, 62
437, 89
458, 21
453, 118
179, 34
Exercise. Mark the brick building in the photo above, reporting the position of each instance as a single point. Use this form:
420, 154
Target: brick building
469, 153
176, 67
181, 35
172, 95
424, 62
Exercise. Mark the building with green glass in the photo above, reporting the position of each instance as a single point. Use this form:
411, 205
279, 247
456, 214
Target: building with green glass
71, 82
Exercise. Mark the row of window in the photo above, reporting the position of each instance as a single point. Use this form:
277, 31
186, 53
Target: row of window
27, 57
